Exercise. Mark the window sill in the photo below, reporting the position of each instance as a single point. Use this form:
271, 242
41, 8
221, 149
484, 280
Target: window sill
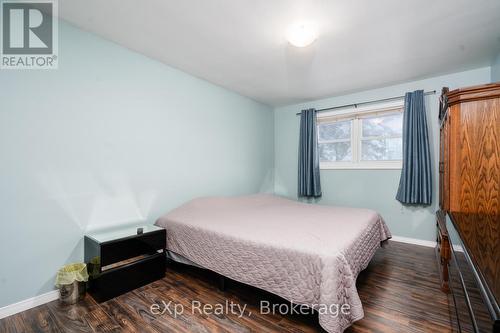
391, 165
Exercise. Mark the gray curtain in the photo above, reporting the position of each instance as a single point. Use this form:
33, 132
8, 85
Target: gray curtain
309, 183
415, 185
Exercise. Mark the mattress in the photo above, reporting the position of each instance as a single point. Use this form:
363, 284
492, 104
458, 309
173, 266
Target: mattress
306, 253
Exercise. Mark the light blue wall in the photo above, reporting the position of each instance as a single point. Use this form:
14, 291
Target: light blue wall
374, 189
495, 69
112, 137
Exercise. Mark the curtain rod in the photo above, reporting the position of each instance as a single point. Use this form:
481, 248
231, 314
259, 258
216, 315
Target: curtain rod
368, 102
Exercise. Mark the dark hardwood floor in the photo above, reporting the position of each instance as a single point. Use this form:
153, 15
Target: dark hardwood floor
399, 290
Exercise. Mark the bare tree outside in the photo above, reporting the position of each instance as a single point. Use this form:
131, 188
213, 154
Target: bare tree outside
335, 141
380, 139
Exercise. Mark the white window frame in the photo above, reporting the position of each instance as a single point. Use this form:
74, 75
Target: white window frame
356, 114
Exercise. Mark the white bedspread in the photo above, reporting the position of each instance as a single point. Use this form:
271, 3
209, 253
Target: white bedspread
306, 253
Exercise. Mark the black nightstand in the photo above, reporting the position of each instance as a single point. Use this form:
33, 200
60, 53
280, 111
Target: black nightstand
119, 260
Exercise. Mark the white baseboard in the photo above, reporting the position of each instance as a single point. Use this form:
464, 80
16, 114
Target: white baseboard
421, 242
29, 303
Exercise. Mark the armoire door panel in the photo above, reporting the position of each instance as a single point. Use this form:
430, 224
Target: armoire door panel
477, 158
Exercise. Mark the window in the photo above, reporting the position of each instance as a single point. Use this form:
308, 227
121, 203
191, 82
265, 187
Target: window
368, 138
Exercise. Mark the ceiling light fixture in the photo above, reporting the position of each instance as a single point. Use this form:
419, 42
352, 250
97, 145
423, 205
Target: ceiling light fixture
302, 34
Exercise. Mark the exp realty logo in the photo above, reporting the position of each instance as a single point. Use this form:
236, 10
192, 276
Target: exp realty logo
29, 34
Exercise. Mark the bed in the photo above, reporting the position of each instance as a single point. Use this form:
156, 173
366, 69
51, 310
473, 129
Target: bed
306, 253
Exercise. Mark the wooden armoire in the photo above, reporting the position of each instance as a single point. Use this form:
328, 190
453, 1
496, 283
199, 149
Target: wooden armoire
469, 200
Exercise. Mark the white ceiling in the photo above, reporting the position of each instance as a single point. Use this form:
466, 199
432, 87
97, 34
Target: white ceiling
240, 44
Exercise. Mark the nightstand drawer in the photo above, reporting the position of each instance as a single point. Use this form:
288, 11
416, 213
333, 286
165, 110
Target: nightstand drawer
118, 250
120, 280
